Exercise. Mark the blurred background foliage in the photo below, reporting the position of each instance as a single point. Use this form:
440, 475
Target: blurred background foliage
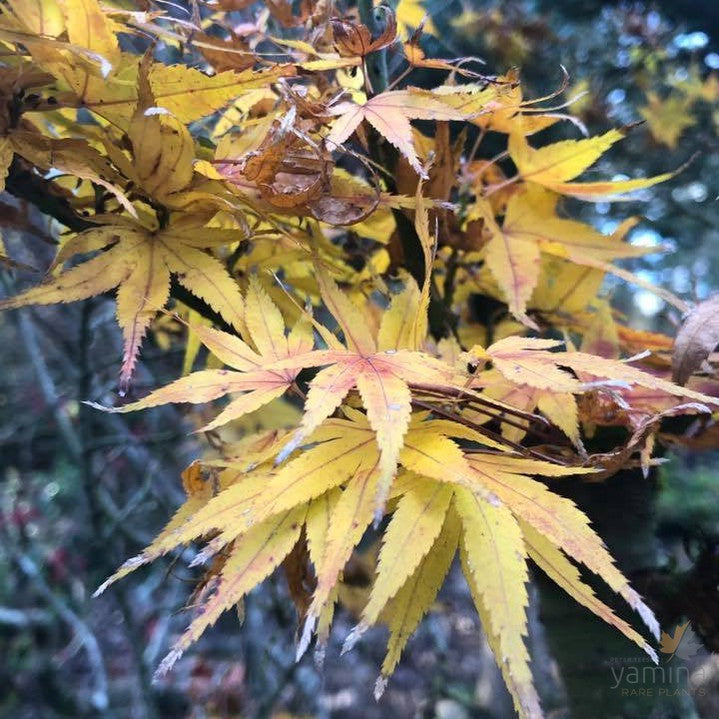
80, 491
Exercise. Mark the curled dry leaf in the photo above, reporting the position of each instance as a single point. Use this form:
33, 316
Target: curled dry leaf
697, 338
354, 40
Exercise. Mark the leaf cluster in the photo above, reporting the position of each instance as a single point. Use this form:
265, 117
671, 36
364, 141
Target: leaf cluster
354, 265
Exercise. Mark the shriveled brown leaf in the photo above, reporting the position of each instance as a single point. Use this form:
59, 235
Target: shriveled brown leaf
355, 40
697, 338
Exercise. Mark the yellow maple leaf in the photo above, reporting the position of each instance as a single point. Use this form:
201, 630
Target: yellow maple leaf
668, 118
553, 166
141, 263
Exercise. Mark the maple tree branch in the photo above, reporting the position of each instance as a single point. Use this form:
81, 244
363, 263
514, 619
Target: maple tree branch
400, 77
477, 143
26, 185
178, 292
492, 412
526, 451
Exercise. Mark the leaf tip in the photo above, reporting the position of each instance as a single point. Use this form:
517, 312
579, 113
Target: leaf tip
352, 638
289, 448
379, 686
650, 651
202, 556
306, 636
646, 614
102, 588
101, 407
167, 663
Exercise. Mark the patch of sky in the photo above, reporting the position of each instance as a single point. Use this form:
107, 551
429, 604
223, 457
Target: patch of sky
693, 192
691, 41
616, 96
700, 266
647, 237
653, 21
656, 210
606, 227
602, 208
648, 275
681, 279
622, 59
703, 289
647, 303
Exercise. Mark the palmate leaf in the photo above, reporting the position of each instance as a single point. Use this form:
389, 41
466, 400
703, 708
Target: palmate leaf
531, 227
381, 377
528, 361
104, 79
140, 263
492, 493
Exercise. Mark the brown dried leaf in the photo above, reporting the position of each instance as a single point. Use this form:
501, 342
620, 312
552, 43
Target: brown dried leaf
230, 54
697, 338
355, 40
281, 10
